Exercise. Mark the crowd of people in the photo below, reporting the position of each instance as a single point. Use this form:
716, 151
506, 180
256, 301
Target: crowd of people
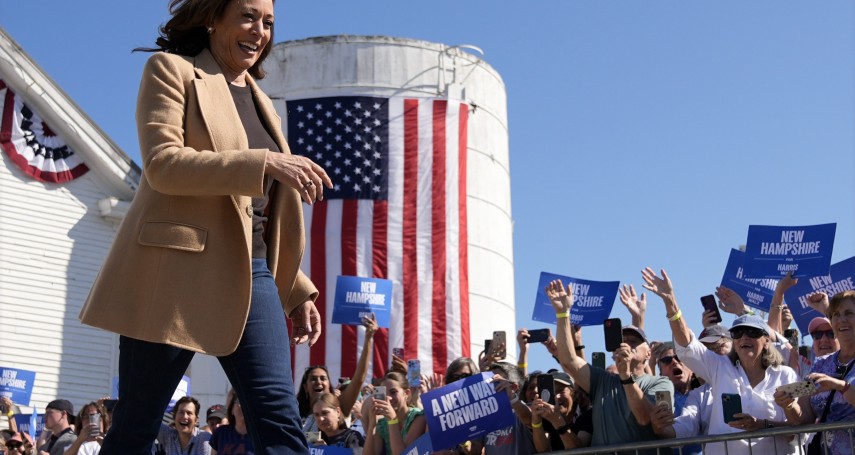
653, 390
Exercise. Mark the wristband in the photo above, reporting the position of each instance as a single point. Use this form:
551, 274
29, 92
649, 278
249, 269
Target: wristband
561, 315
677, 316
392, 422
522, 365
580, 347
537, 425
628, 381
749, 311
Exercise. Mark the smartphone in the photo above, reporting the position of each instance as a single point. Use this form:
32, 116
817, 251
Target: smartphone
313, 436
792, 335
709, 303
398, 352
614, 334
731, 404
380, 393
487, 346
95, 419
414, 373
500, 339
538, 335
664, 397
803, 351
546, 388
598, 359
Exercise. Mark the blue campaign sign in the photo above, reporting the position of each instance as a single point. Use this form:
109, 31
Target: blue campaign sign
592, 300
17, 384
841, 278
774, 251
465, 410
420, 446
755, 292
330, 450
357, 296
25, 423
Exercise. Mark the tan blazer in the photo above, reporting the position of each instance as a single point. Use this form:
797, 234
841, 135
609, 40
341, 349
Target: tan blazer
179, 270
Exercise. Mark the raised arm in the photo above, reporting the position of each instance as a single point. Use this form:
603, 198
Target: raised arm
575, 366
665, 290
522, 359
351, 393
777, 305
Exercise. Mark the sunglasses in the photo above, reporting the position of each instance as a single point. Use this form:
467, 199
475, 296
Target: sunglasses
459, 376
752, 332
819, 333
14, 445
666, 360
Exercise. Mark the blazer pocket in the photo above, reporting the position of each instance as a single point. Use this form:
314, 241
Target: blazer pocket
167, 234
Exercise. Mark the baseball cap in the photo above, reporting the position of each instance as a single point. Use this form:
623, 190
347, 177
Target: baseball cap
750, 320
216, 411
635, 329
562, 377
713, 333
61, 405
817, 323
21, 437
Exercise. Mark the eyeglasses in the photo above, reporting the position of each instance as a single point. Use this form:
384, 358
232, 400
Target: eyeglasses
752, 332
458, 376
819, 333
666, 360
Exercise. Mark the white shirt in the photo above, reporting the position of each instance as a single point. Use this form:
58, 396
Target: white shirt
725, 377
694, 420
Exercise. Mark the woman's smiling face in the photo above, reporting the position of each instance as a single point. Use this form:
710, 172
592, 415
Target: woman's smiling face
240, 34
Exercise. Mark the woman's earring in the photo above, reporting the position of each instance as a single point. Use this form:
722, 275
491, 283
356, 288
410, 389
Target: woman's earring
210, 30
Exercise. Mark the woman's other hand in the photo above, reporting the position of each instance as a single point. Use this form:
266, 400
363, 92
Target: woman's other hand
306, 323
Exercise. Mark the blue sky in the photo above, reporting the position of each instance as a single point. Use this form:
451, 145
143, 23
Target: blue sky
641, 133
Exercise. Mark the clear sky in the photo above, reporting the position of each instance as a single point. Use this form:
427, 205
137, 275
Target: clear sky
641, 133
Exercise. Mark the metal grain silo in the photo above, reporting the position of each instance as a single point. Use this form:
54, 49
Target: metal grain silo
385, 68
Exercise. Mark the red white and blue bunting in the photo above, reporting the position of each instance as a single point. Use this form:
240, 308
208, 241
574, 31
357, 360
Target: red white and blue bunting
32, 146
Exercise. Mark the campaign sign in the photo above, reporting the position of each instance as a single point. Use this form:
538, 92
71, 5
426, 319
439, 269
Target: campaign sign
592, 300
17, 384
755, 292
420, 446
841, 278
357, 296
466, 409
775, 251
330, 450
25, 423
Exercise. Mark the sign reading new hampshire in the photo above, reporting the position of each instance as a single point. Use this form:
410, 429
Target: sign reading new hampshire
357, 297
592, 300
841, 278
775, 251
755, 292
17, 384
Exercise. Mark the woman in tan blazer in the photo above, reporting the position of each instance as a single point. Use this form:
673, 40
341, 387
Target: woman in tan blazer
207, 258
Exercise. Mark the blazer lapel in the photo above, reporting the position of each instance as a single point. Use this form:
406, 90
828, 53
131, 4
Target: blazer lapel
216, 106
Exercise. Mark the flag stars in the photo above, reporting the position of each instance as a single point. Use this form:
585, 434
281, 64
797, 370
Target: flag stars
347, 145
356, 170
347, 161
299, 108
328, 147
328, 130
367, 163
301, 125
337, 153
337, 105
356, 187
377, 171
357, 121
346, 178
327, 163
328, 114
337, 187
357, 105
338, 121
377, 155
376, 122
318, 106
338, 137
366, 179
319, 155
376, 106
366, 146
376, 138
366, 114
337, 171
376, 188
367, 129
300, 141
310, 116
310, 132
347, 113
348, 129
310, 148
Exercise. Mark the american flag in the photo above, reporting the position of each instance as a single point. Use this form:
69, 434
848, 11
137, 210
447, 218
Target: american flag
397, 211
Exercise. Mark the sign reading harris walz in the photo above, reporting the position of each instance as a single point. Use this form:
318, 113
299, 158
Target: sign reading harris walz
592, 300
840, 278
357, 297
465, 410
755, 292
775, 251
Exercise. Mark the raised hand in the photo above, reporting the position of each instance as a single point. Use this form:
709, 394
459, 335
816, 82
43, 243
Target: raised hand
635, 305
786, 283
730, 301
819, 302
561, 297
659, 286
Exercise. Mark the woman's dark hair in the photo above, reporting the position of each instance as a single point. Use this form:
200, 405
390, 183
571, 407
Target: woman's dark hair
83, 417
187, 32
303, 398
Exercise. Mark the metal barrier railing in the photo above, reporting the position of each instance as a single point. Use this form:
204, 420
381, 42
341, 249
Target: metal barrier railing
637, 447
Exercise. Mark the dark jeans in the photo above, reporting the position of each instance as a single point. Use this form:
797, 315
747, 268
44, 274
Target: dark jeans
259, 370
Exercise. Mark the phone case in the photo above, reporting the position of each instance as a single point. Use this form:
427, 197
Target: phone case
538, 336
598, 359
664, 397
799, 389
546, 388
380, 393
731, 404
613, 333
500, 338
709, 303
414, 372
399, 352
